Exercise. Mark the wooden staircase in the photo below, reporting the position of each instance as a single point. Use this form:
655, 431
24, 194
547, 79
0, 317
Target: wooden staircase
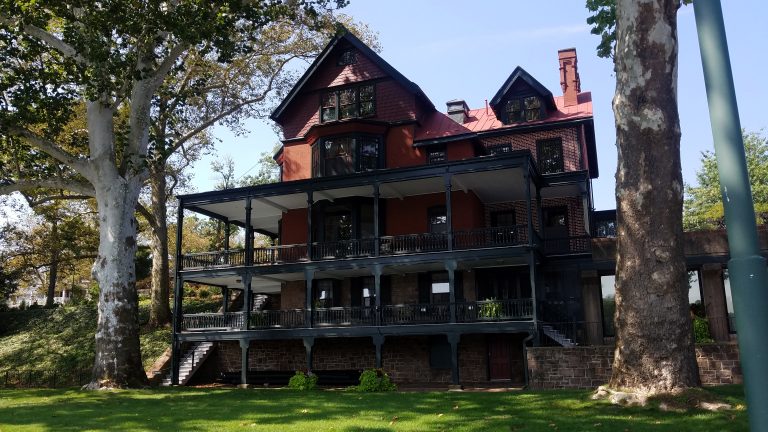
193, 358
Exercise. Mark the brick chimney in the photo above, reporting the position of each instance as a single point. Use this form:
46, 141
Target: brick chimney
569, 76
458, 110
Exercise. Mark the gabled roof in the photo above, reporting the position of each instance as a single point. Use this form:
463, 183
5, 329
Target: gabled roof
520, 74
343, 34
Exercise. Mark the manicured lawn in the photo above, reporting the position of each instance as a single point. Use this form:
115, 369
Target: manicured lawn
287, 410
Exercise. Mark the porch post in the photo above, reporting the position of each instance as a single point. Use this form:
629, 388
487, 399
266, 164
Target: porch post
448, 210
713, 293
178, 293
453, 339
225, 295
450, 266
227, 228
539, 214
309, 344
377, 268
376, 227
378, 342
248, 234
310, 202
309, 275
527, 179
534, 306
244, 347
247, 299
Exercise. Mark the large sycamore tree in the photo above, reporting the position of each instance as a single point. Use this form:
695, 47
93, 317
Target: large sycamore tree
654, 341
113, 56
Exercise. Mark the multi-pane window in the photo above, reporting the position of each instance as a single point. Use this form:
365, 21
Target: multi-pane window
524, 109
439, 288
436, 154
347, 57
350, 102
346, 155
550, 155
438, 220
498, 149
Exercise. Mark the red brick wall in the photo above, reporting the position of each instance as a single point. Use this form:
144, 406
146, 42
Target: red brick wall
294, 227
292, 295
571, 146
574, 204
400, 151
459, 150
589, 367
409, 215
404, 288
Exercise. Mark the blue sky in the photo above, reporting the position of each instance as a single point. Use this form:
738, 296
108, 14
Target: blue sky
466, 50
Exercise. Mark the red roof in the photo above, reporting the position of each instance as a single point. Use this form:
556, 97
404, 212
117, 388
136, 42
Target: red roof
439, 125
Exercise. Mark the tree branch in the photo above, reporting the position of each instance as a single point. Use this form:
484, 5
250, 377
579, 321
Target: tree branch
48, 38
51, 149
34, 203
142, 210
26, 185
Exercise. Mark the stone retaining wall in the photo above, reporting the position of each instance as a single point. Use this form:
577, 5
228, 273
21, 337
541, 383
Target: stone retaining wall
589, 367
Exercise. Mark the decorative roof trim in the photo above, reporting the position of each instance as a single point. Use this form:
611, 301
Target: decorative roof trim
521, 74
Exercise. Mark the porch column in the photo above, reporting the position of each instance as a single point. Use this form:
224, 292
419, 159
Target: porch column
450, 266
713, 291
225, 295
178, 293
309, 275
310, 202
532, 272
309, 344
377, 269
244, 348
529, 209
453, 340
448, 210
248, 234
227, 228
539, 214
591, 298
378, 342
247, 299
376, 227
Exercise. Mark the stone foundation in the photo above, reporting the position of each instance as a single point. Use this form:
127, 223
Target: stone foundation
590, 367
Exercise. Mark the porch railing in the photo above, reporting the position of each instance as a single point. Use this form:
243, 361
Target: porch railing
206, 321
414, 243
280, 254
491, 237
227, 258
354, 248
402, 314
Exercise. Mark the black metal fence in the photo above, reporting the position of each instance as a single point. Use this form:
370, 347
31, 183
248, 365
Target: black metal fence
45, 378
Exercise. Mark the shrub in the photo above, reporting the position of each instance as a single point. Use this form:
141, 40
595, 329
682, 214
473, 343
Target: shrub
303, 381
375, 380
701, 330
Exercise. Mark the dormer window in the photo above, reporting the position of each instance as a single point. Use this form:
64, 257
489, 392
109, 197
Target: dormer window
524, 109
347, 57
350, 102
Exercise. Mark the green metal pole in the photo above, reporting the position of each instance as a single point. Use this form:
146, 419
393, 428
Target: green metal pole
747, 270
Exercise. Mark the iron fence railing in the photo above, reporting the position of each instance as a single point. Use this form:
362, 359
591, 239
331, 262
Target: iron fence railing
491, 237
45, 378
294, 318
344, 316
354, 248
414, 243
200, 321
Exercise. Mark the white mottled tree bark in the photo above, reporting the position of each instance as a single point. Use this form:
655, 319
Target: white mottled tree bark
654, 340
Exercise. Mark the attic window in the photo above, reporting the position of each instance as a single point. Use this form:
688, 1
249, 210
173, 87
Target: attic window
350, 102
347, 57
524, 109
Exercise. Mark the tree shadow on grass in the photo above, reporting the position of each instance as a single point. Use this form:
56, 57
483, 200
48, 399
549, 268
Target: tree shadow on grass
286, 410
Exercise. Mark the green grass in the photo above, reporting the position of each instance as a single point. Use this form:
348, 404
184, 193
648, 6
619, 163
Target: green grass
192, 409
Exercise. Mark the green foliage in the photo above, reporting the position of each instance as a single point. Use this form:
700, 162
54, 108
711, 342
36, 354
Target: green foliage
269, 410
303, 381
701, 330
491, 308
375, 380
703, 205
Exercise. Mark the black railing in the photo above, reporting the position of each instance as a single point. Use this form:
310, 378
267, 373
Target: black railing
414, 243
280, 254
494, 310
229, 320
402, 314
294, 318
491, 237
227, 258
567, 245
343, 249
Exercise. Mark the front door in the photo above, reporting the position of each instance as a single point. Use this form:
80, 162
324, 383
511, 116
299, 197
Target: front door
499, 357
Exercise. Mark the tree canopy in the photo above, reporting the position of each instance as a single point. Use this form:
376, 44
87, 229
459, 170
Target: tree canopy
703, 206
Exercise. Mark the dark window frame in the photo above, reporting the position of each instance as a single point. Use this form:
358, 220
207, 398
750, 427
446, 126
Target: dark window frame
519, 109
436, 154
331, 103
437, 212
347, 57
545, 164
357, 143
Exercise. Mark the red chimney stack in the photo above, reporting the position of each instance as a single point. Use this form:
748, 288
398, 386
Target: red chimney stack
569, 76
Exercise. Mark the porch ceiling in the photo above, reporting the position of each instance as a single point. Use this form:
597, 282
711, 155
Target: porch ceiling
259, 284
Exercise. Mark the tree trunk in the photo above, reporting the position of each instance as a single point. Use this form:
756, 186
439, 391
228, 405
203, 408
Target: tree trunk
53, 269
160, 310
118, 352
654, 340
